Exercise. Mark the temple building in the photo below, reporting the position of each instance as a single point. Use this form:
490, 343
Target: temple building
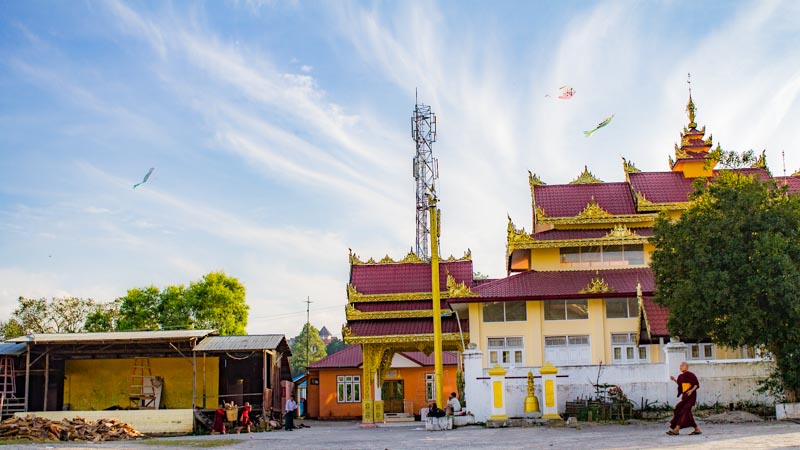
580, 289
389, 311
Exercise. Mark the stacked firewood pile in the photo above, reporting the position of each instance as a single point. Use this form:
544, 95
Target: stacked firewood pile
32, 427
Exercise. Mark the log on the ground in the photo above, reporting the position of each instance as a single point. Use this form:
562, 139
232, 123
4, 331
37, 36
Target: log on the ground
32, 427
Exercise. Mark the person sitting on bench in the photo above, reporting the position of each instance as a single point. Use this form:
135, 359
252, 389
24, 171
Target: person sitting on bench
453, 405
434, 411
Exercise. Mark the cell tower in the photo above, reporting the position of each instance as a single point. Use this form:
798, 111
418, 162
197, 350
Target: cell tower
426, 170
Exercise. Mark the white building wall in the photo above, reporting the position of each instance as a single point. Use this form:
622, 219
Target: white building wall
722, 381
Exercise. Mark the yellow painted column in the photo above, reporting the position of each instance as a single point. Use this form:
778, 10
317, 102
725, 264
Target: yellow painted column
549, 391
437, 310
498, 380
367, 359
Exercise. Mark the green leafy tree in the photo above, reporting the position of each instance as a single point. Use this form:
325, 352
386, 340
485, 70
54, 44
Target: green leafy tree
335, 345
105, 317
39, 315
139, 309
729, 270
302, 354
218, 301
174, 310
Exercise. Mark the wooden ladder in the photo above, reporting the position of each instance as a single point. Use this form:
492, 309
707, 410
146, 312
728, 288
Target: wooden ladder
143, 392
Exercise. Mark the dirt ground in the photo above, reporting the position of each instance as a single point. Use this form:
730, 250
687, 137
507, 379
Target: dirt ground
347, 435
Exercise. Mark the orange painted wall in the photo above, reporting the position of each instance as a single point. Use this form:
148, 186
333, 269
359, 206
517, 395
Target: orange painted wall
322, 397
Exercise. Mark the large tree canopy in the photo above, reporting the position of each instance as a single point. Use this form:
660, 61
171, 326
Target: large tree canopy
39, 315
216, 301
302, 354
729, 270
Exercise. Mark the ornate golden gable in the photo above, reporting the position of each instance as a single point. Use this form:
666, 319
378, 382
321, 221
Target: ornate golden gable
761, 161
620, 232
597, 286
411, 257
458, 290
586, 177
593, 210
534, 180
628, 166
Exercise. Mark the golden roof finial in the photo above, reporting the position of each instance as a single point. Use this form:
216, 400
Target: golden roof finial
690, 108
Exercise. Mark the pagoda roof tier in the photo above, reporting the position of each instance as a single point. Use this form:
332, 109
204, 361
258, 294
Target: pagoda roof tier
413, 305
392, 310
571, 200
556, 238
352, 357
653, 319
570, 235
656, 190
553, 285
404, 326
406, 278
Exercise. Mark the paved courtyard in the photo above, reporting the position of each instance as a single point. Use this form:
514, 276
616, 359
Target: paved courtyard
347, 435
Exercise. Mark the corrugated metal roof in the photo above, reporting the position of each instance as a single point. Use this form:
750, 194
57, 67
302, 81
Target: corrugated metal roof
240, 343
12, 348
115, 336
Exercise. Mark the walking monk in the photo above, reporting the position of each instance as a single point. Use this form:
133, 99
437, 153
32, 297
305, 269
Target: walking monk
687, 391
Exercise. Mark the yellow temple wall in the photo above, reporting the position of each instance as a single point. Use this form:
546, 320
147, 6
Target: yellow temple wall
693, 169
96, 384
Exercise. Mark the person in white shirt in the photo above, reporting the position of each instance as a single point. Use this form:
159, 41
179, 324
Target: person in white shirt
288, 418
453, 403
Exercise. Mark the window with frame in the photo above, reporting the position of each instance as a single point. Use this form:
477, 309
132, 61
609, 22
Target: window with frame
701, 351
506, 351
430, 387
566, 309
505, 312
567, 349
624, 349
622, 308
348, 389
604, 255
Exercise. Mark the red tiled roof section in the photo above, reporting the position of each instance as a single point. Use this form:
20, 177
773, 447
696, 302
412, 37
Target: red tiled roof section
567, 200
535, 285
793, 183
404, 326
352, 357
662, 187
402, 278
656, 317
555, 235
413, 305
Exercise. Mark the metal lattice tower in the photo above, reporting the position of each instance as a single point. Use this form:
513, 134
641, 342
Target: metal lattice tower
426, 170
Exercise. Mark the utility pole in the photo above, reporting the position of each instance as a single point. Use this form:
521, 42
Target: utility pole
437, 310
308, 332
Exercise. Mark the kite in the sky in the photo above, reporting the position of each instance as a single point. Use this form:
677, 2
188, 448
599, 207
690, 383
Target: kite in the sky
146, 177
599, 125
565, 92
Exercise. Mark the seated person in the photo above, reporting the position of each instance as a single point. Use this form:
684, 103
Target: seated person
434, 411
453, 405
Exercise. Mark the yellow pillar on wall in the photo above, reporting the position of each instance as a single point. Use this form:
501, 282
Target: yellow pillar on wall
498, 381
550, 391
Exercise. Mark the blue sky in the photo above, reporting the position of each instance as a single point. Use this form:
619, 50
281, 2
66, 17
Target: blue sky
280, 130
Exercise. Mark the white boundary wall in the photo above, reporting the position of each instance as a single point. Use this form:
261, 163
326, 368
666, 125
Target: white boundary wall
722, 381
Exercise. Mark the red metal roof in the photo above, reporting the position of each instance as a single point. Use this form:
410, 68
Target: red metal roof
398, 306
402, 278
656, 317
662, 187
404, 326
535, 285
555, 235
792, 182
352, 357
567, 200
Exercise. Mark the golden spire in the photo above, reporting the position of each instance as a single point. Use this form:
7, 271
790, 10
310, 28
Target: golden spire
690, 108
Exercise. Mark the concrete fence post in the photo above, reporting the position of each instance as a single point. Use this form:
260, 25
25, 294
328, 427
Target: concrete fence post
549, 391
675, 353
498, 377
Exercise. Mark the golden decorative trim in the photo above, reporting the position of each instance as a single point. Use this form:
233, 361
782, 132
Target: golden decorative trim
458, 290
353, 296
597, 286
761, 161
643, 204
352, 313
680, 153
629, 167
410, 258
586, 177
593, 210
540, 214
611, 219
558, 243
346, 332
671, 162
620, 232
534, 180
796, 174
453, 339
710, 141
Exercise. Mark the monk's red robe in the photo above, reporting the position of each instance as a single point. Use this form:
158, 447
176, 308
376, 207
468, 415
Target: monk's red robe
682, 417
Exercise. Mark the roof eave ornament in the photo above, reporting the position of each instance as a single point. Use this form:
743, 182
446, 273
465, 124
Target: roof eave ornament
586, 177
597, 286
